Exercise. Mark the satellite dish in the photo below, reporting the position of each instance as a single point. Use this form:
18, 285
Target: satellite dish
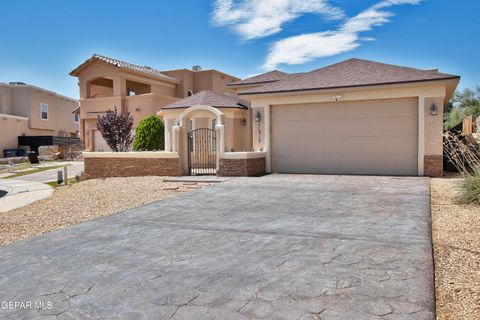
196, 68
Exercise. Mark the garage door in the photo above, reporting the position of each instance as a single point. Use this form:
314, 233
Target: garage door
99, 144
362, 137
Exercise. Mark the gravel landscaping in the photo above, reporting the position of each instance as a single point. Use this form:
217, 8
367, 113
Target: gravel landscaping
85, 200
456, 241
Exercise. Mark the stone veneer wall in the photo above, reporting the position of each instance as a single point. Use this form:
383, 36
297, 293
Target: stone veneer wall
104, 167
241, 167
433, 166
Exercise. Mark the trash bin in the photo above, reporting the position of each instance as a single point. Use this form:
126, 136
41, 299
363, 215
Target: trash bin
8, 153
32, 157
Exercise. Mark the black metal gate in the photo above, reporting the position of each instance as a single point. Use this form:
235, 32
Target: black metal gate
202, 153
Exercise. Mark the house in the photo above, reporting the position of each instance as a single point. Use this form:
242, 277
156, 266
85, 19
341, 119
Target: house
106, 83
352, 117
27, 110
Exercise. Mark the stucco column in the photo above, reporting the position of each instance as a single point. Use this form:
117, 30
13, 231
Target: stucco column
258, 129
166, 130
180, 146
220, 132
175, 138
266, 139
421, 134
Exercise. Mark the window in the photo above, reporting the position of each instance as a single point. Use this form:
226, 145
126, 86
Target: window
44, 111
76, 117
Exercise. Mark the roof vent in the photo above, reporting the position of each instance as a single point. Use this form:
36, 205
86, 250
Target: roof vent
17, 83
196, 68
148, 67
431, 69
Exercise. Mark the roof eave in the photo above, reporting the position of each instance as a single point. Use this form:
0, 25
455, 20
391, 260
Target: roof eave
250, 83
351, 86
218, 107
75, 72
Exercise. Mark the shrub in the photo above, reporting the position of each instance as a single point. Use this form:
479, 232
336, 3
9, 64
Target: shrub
116, 129
471, 189
149, 134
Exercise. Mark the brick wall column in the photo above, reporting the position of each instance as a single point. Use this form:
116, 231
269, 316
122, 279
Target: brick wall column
433, 166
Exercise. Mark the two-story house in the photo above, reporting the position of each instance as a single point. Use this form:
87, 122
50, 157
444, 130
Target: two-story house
107, 83
27, 110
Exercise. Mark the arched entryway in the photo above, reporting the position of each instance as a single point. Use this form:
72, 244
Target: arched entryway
199, 148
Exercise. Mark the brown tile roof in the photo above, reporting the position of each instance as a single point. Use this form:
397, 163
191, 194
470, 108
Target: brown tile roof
271, 76
207, 98
127, 66
351, 73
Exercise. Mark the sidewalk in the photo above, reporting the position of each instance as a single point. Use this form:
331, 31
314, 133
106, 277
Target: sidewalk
74, 168
21, 192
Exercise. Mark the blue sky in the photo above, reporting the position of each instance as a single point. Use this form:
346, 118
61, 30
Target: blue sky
42, 41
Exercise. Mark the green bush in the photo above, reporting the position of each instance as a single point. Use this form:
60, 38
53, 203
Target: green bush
149, 134
471, 189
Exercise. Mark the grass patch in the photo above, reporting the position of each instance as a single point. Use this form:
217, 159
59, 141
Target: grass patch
471, 190
55, 184
20, 174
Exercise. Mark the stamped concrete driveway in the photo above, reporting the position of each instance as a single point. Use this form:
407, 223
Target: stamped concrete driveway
277, 247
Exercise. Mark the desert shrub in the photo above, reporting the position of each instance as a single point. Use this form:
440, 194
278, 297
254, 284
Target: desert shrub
464, 153
149, 134
471, 189
116, 129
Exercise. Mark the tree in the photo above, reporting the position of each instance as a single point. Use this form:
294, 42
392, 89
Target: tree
469, 101
463, 103
116, 129
149, 134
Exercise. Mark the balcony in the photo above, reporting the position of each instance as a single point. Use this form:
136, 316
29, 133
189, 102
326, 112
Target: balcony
92, 108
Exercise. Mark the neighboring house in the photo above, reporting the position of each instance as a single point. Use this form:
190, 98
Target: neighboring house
26, 110
352, 117
107, 83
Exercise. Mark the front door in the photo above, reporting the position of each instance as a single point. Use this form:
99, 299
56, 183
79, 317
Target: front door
202, 153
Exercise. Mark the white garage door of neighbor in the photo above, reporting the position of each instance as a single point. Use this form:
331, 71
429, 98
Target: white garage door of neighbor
99, 144
361, 137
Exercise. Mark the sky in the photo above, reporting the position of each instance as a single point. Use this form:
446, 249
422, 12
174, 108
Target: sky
42, 41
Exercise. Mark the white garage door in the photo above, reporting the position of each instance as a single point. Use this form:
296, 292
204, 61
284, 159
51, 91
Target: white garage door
99, 144
362, 137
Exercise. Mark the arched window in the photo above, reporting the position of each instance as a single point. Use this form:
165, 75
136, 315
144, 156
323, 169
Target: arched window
189, 93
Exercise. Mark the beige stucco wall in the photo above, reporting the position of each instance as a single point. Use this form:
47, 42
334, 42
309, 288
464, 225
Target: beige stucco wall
60, 117
6, 103
10, 128
185, 77
430, 126
434, 127
20, 106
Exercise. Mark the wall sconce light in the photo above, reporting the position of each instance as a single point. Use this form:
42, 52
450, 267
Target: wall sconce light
138, 109
433, 109
258, 117
337, 98
244, 122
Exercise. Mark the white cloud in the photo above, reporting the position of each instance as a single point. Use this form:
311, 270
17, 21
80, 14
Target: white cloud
254, 19
307, 47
